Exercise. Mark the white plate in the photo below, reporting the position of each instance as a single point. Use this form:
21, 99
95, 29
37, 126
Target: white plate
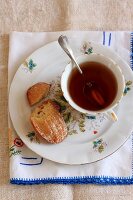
88, 140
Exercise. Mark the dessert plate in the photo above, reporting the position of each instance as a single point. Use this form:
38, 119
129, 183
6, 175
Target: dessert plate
89, 138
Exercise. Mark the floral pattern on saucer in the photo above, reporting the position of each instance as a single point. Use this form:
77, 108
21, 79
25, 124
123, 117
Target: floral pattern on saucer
99, 145
127, 87
29, 65
86, 48
33, 137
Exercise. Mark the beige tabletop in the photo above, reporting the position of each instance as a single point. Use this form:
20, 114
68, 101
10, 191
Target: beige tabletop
55, 15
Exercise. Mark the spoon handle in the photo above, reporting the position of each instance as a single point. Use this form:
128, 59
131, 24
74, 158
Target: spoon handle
63, 41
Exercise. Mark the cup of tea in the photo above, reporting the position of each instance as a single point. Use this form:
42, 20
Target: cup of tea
98, 89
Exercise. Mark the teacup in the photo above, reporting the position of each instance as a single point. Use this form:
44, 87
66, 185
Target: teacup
95, 67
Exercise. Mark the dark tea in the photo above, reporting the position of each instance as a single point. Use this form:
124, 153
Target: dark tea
95, 89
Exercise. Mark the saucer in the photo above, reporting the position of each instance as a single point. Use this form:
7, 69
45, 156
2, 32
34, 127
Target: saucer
89, 138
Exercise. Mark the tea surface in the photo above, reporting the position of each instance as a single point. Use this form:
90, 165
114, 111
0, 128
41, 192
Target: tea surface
103, 86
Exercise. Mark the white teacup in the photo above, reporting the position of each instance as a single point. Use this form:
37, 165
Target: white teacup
109, 63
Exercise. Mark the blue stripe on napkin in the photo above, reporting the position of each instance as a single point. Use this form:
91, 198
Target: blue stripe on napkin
103, 180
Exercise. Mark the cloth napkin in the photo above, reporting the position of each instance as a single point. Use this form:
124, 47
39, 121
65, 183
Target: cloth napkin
26, 167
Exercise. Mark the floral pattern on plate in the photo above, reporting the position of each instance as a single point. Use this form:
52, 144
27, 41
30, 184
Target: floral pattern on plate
33, 136
87, 48
127, 87
29, 65
99, 145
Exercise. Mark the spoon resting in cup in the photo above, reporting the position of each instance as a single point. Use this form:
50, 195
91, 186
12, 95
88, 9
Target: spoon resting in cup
91, 90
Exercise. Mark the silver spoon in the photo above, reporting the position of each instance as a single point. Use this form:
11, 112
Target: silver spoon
90, 90
63, 41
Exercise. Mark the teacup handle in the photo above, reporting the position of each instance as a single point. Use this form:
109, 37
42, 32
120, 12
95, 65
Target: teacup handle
111, 114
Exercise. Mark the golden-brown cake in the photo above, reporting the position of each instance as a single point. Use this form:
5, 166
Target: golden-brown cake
48, 122
37, 92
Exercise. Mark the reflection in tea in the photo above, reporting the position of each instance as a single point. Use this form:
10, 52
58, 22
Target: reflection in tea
101, 90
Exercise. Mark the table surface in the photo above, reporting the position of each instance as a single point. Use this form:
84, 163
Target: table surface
55, 15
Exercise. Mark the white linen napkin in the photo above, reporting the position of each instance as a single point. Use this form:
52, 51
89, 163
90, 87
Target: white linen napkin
26, 167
